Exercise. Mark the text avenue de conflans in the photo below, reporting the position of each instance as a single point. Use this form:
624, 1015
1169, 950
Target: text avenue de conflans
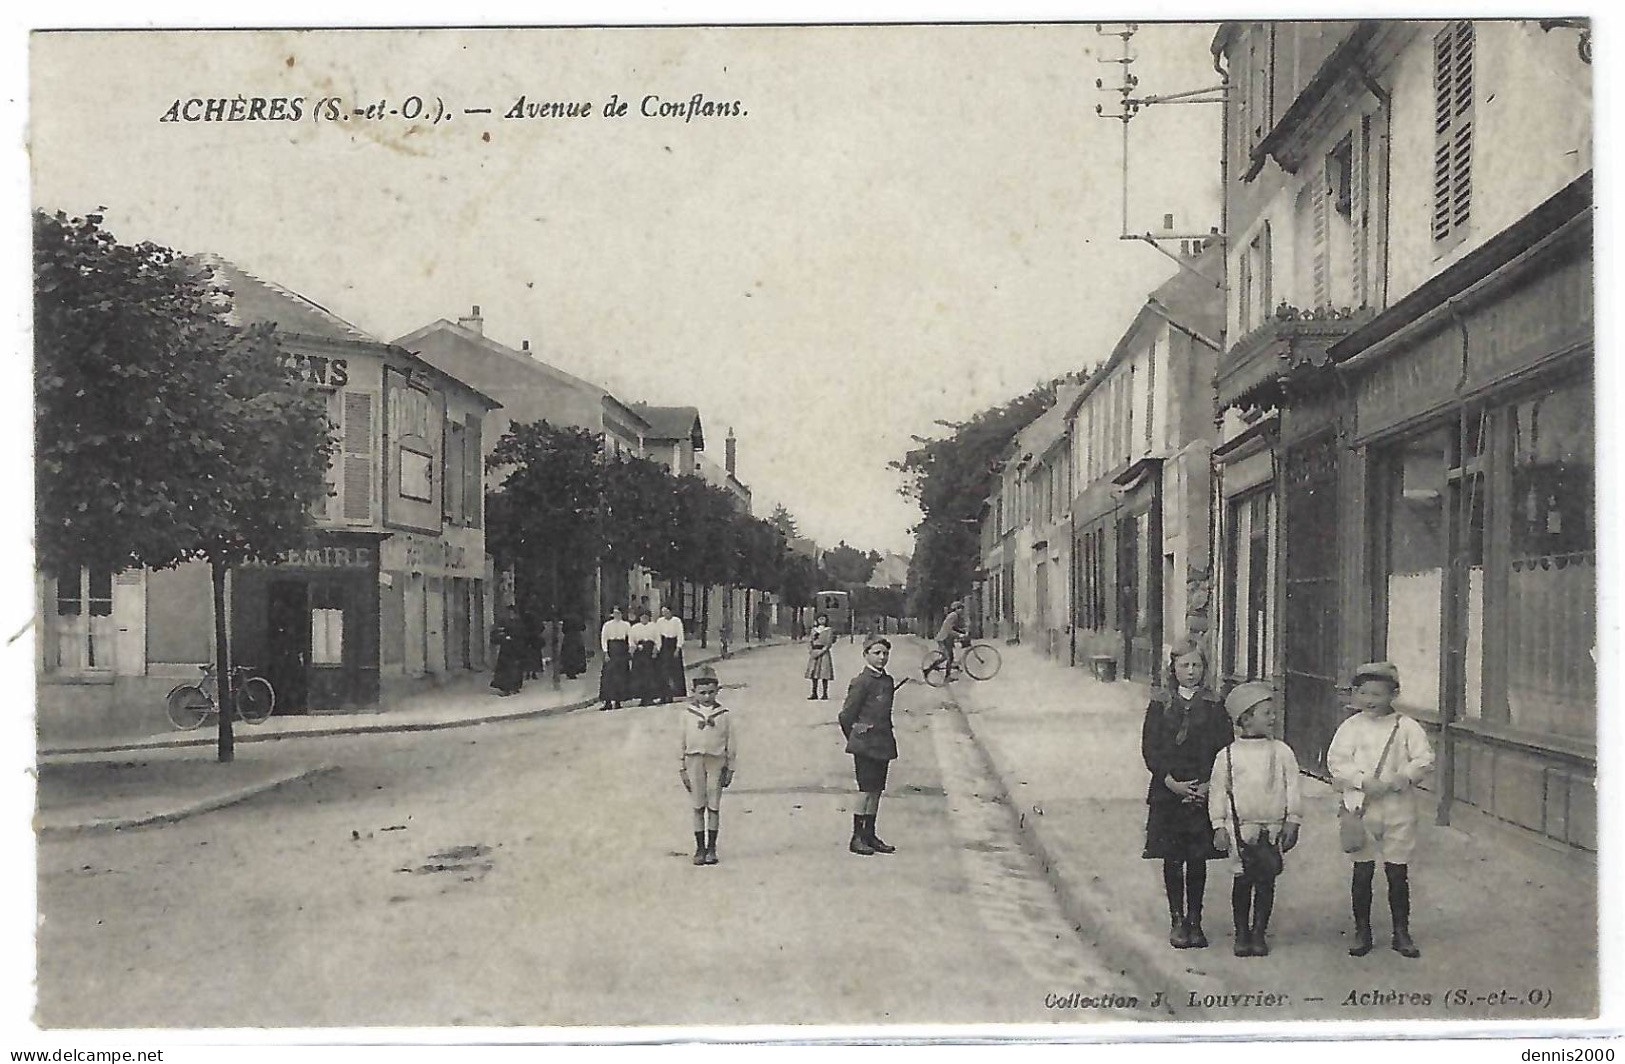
435, 109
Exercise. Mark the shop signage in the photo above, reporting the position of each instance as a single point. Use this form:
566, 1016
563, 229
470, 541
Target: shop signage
422, 553
323, 558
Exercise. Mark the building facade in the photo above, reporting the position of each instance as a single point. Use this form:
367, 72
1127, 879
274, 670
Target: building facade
1406, 468
391, 587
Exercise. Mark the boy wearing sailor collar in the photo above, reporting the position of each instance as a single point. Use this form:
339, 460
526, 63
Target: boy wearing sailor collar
706, 757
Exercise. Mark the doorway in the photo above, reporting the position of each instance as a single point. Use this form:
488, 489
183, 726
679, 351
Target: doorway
288, 628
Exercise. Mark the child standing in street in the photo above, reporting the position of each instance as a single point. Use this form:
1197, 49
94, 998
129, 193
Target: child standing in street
706, 757
1377, 757
1185, 728
820, 669
1255, 803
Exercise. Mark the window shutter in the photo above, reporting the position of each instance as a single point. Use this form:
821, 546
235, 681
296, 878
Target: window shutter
1359, 146
1452, 129
1265, 282
1244, 290
1318, 230
473, 471
357, 457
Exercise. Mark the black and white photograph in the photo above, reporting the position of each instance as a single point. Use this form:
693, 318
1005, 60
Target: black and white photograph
732, 530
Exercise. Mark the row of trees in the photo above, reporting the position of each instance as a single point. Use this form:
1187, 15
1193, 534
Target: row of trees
950, 479
163, 432
564, 506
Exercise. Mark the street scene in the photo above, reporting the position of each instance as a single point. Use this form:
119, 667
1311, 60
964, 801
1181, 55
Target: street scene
1088, 527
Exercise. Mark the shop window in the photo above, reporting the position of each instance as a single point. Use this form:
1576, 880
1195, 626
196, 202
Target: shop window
327, 636
80, 623
1414, 545
1249, 592
1552, 565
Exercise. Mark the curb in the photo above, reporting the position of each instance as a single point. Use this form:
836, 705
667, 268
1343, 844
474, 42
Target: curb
1144, 956
105, 825
242, 736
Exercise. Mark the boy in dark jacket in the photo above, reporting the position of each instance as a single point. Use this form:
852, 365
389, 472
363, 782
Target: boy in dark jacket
865, 720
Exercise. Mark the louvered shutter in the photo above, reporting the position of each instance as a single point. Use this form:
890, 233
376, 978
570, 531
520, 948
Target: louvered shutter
1244, 290
1452, 129
473, 472
1359, 214
1265, 282
1318, 232
358, 426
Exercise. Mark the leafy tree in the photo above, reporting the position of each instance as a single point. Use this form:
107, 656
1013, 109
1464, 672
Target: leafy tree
164, 433
785, 522
951, 479
850, 566
545, 518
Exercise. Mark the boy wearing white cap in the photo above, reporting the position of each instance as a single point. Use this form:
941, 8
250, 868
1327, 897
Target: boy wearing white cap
1254, 793
1377, 757
706, 755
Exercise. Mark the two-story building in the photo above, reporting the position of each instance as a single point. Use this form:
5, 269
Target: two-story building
1043, 463
1140, 431
1407, 462
390, 589
532, 390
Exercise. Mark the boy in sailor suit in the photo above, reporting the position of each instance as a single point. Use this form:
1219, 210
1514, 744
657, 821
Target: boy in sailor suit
706, 755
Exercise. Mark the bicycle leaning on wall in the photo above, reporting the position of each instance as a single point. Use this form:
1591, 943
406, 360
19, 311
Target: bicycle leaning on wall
190, 704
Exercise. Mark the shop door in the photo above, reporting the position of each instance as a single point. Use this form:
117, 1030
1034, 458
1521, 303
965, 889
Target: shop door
288, 643
1310, 626
1041, 620
1128, 584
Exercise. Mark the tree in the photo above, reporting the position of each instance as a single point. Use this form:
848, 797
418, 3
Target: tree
545, 518
850, 566
951, 479
164, 433
785, 522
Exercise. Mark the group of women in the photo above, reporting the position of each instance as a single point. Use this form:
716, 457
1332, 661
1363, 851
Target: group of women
643, 660
521, 651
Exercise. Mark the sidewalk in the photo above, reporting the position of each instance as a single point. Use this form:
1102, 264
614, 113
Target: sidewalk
1492, 911
123, 783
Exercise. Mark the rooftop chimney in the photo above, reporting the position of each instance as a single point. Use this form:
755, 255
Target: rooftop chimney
524, 345
473, 322
1167, 223
728, 452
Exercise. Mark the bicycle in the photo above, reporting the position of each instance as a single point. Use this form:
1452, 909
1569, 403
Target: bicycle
979, 661
190, 704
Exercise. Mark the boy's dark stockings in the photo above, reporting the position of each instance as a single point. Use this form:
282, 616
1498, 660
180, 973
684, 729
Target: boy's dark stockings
711, 845
699, 847
1360, 895
1251, 905
1399, 908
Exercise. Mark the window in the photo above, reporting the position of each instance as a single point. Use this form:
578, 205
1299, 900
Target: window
1256, 297
79, 622
327, 636
1452, 131
1413, 546
416, 475
357, 457
1249, 591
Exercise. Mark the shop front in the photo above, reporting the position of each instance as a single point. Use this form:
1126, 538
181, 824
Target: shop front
1476, 430
308, 622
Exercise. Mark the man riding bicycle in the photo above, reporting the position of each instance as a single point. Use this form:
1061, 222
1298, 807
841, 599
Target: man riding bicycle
951, 632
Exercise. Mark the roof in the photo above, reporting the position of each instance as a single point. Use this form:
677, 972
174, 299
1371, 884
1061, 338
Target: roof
1050, 426
1194, 302
467, 335
256, 300
673, 423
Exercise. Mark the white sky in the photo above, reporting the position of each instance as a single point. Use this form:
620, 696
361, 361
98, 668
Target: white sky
911, 223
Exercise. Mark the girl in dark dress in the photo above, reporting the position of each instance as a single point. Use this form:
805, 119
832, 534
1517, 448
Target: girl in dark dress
1185, 728
508, 675
615, 682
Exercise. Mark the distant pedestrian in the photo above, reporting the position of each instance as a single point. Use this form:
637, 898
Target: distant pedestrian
572, 649
707, 754
672, 678
865, 720
820, 666
615, 679
508, 640
1185, 728
646, 683
1255, 804
1376, 759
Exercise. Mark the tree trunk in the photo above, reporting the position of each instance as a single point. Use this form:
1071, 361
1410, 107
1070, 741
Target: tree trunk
224, 696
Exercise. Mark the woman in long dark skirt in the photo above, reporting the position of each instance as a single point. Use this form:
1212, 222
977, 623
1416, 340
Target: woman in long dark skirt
646, 681
615, 681
669, 658
572, 650
508, 675
1185, 728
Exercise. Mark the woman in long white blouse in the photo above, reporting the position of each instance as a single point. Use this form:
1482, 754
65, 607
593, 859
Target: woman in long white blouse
669, 656
615, 682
